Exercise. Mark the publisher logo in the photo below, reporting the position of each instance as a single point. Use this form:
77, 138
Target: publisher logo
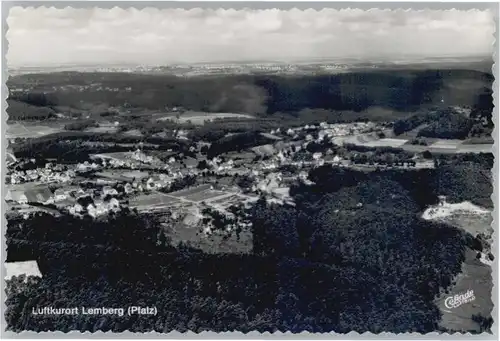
456, 301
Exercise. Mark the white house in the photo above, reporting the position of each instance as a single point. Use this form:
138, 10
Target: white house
114, 203
128, 188
317, 156
107, 190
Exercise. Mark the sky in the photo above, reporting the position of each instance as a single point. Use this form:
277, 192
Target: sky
48, 36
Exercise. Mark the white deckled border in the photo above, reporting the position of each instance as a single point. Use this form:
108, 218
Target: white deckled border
317, 6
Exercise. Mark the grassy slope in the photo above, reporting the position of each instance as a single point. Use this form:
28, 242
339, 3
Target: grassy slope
474, 276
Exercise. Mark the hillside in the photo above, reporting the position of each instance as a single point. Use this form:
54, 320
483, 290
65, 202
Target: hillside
396, 90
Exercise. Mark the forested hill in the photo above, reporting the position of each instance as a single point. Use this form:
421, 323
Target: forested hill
351, 255
396, 90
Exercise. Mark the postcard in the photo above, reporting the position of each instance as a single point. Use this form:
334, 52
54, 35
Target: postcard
250, 171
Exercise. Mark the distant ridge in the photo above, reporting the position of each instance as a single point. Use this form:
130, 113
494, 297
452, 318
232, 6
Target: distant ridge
478, 63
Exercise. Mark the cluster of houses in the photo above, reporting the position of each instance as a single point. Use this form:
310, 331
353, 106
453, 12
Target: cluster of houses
325, 129
87, 166
119, 170
96, 209
140, 156
43, 175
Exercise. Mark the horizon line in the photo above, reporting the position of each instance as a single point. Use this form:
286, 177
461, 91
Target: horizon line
379, 59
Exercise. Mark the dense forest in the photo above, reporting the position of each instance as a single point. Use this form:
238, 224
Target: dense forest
75, 146
352, 254
395, 90
448, 123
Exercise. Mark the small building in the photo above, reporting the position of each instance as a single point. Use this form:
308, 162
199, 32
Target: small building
114, 203
107, 190
128, 188
76, 209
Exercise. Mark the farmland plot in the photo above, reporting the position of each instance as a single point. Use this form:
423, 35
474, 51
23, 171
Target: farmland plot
204, 195
200, 118
386, 143
446, 144
190, 191
30, 131
154, 201
213, 244
475, 148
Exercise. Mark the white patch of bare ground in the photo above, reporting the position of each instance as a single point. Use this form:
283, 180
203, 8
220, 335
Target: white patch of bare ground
445, 209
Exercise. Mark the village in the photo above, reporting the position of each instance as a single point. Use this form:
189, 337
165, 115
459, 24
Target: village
264, 169
190, 186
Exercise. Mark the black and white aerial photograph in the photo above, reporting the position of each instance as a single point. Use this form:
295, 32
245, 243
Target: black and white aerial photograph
249, 170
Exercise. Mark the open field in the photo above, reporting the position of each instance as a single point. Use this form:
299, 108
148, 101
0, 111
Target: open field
480, 140
122, 156
200, 193
386, 142
122, 175
271, 136
222, 201
475, 276
133, 132
359, 139
102, 129
22, 130
204, 195
124, 145
371, 140
194, 237
190, 191
154, 201
232, 199
475, 148
465, 215
266, 149
446, 144
199, 118
135, 174
438, 146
